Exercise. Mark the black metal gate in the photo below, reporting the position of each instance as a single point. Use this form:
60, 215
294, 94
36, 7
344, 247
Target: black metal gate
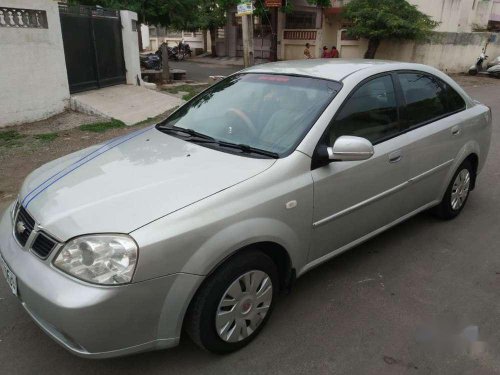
93, 47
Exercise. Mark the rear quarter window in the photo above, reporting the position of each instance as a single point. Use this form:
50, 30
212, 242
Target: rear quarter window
455, 101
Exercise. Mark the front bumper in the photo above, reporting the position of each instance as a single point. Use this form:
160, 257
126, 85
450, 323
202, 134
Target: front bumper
96, 321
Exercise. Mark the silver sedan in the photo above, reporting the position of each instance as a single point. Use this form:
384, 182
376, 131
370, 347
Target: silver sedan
194, 225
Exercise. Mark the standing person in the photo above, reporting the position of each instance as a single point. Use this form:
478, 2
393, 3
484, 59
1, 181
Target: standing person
326, 54
335, 53
307, 52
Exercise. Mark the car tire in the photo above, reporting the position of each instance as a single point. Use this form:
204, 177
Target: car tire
457, 193
220, 323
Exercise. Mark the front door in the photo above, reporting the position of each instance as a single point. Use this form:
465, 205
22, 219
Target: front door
354, 199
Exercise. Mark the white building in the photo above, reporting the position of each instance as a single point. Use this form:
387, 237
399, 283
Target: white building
457, 33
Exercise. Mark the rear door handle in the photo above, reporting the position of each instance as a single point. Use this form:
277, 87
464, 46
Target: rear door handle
456, 130
395, 156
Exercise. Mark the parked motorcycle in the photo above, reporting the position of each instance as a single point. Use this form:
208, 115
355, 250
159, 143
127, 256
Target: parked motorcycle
183, 50
492, 68
173, 53
153, 61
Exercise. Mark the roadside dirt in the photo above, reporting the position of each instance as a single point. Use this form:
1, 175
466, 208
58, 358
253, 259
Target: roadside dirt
465, 80
25, 153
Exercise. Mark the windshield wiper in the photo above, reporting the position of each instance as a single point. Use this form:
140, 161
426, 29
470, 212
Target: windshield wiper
203, 138
187, 131
248, 149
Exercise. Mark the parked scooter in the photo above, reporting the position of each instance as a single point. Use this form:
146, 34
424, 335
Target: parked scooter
492, 68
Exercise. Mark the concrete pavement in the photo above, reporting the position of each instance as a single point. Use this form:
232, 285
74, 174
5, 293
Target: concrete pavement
130, 104
422, 298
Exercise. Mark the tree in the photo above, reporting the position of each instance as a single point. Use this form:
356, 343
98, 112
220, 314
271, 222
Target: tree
211, 15
376, 20
169, 13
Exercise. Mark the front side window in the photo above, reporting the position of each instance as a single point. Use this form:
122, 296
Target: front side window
425, 98
263, 111
371, 112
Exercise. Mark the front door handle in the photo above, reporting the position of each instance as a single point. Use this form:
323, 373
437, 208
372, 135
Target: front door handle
395, 156
456, 130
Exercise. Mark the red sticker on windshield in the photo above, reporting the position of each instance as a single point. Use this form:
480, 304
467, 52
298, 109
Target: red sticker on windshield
274, 78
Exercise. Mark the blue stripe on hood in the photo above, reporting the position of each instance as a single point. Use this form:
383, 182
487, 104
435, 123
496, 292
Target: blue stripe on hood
77, 164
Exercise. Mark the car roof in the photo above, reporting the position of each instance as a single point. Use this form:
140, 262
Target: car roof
333, 69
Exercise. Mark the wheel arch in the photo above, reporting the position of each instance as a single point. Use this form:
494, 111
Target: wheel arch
474, 160
278, 254
470, 151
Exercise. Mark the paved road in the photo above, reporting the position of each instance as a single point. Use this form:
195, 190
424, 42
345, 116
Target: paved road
201, 71
372, 310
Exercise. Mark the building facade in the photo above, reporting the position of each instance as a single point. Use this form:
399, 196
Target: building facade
324, 26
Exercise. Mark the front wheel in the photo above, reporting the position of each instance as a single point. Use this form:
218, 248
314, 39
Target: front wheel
457, 192
234, 303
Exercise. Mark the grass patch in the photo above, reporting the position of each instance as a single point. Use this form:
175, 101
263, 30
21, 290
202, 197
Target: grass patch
191, 90
101, 127
149, 120
10, 138
10, 135
186, 97
46, 137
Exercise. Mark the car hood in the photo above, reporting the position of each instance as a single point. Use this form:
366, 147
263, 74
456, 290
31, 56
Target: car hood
128, 182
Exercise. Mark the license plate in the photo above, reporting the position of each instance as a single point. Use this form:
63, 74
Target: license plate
9, 276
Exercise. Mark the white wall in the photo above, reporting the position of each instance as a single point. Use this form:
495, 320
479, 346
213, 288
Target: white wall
130, 47
495, 11
145, 36
33, 78
454, 53
456, 15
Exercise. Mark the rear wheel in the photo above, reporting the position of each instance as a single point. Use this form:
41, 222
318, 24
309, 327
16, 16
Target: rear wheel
457, 192
234, 304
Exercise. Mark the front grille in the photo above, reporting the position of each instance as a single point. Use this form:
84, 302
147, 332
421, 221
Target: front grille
24, 226
43, 245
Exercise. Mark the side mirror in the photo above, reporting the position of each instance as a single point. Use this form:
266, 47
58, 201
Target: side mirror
350, 148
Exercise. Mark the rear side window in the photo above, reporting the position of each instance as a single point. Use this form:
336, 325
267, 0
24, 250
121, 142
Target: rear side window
425, 98
371, 112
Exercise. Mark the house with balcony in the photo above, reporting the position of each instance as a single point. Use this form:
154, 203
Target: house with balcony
325, 27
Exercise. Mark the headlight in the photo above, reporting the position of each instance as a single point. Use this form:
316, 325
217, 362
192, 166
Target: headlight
100, 259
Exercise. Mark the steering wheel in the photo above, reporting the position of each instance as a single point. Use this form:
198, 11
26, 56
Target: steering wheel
245, 120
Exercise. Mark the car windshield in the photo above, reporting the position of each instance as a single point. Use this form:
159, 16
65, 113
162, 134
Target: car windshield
264, 112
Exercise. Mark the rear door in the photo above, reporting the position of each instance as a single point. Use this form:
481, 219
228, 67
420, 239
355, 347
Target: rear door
433, 114
353, 199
